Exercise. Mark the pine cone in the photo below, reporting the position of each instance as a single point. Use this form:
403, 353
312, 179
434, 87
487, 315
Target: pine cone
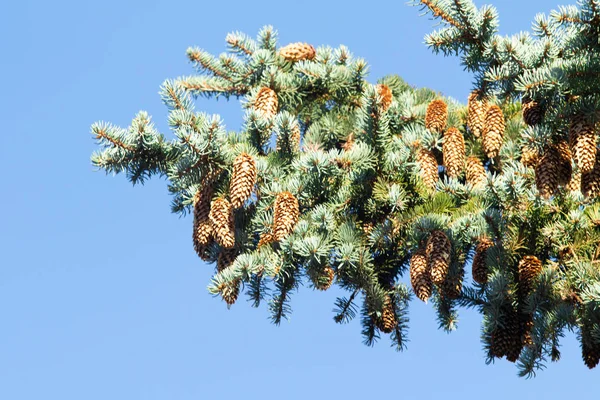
582, 139
324, 280
476, 113
420, 275
480, 270
298, 52
546, 173
452, 286
243, 179
532, 112
529, 156
230, 291
438, 256
506, 339
590, 350
453, 150
203, 232
475, 172
436, 116
590, 181
289, 144
575, 183
493, 131
266, 102
386, 96
529, 269
564, 162
221, 219
265, 238
226, 258
429, 168
387, 322
527, 328
285, 216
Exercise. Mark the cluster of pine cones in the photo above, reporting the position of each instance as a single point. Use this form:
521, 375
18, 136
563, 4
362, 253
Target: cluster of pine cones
430, 264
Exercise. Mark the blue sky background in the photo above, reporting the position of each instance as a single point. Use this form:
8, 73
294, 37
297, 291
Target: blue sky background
101, 293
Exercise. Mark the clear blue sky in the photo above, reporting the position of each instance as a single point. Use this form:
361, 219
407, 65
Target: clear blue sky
101, 294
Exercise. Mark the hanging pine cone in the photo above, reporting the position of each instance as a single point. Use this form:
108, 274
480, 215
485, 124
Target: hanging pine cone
475, 172
590, 181
285, 215
436, 116
527, 328
230, 291
266, 102
438, 256
298, 52
480, 270
265, 238
420, 275
546, 173
387, 322
203, 231
493, 131
429, 168
386, 96
529, 156
324, 280
289, 144
529, 269
476, 113
452, 286
590, 350
226, 258
506, 338
564, 162
582, 139
574, 184
532, 112
221, 219
243, 179
453, 150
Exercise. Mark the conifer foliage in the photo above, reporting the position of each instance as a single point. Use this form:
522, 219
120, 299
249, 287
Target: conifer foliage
377, 188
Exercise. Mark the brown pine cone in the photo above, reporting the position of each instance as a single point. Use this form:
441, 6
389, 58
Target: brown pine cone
285, 217
386, 96
590, 181
436, 116
266, 102
476, 175
221, 219
298, 52
480, 270
438, 256
529, 156
582, 139
453, 150
324, 280
387, 322
532, 112
547, 173
564, 162
226, 258
420, 275
429, 168
230, 291
203, 232
493, 131
243, 179
530, 267
476, 113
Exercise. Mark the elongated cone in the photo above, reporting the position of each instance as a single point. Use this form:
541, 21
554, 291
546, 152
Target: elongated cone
386, 96
266, 102
590, 181
529, 269
298, 52
203, 231
226, 258
574, 184
564, 168
493, 131
532, 112
387, 322
290, 143
453, 151
529, 156
436, 116
221, 218
546, 173
582, 139
506, 339
285, 217
243, 179
265, 238
452, 286
438, 256
590, 350
230, 291
475, 172
429, 168
480, 269
324, 280
476, 109
420, 275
